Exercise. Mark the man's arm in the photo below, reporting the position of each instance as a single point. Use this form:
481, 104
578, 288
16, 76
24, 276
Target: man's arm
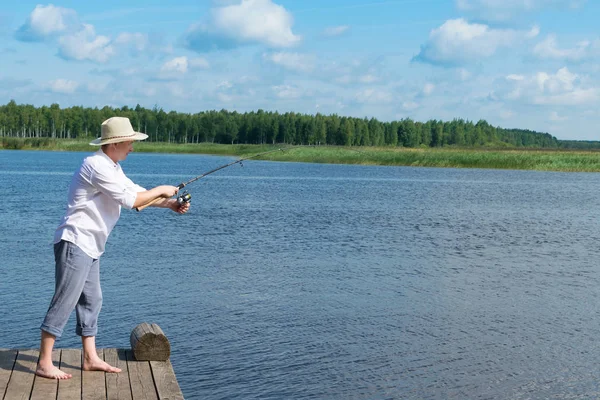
147, 196
173, 205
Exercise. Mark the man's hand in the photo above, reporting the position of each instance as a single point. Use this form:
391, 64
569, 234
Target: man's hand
167, 190
155, 197
180, 209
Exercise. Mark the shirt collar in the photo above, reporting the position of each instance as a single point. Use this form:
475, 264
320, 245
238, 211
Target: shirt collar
101, 153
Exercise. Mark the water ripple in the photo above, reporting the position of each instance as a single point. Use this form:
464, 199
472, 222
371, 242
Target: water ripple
301, 281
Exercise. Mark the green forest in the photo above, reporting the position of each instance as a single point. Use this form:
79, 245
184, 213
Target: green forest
265, 127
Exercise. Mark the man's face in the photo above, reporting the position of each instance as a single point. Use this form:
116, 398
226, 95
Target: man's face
122, 149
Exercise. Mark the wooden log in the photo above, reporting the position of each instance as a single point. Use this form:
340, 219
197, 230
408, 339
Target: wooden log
149, 343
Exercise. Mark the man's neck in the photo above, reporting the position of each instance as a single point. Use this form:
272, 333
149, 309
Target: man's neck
110, 154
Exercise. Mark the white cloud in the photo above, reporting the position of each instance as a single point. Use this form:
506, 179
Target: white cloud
177, 64
428, 88
335, 30
243, 90
85, 45
224, 98
168, 49
225, 85
572, 98
561, 88
130, 71
409, 105
178, 91
182, 65
464, 74
350, 72
137, 41
147, 91
533, 33
96, 87
287, 92
557, 118
251, 21
46, 21
562, 81
514, 77
64, 86
198, 63
506, 9
458, 42
61, 26
548, 49
343, 79
371, 95
368, 78
292, 61
257, 20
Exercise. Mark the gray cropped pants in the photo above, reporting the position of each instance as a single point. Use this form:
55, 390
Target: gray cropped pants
77, 286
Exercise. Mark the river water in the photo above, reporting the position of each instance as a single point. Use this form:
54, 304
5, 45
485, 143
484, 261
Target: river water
308, 281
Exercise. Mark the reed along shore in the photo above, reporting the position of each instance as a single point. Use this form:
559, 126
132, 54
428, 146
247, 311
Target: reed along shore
565, 160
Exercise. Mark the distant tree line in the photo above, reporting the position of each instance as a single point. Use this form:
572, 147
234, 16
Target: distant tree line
260, 127
580, 144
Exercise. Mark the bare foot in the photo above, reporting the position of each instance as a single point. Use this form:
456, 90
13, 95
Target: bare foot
51, 372
99, 365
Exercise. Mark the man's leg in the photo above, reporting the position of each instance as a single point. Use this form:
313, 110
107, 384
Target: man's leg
91, 361
45, 368
72, 266
87, 310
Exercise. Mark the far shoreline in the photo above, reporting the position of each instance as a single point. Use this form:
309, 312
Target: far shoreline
536, 159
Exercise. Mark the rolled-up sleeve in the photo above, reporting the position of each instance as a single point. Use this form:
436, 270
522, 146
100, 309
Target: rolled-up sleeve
134, 186
115, 185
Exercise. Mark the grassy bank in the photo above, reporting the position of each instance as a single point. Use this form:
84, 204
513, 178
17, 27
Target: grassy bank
529, 159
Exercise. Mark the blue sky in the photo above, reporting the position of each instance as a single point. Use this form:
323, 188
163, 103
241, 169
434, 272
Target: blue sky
531, 64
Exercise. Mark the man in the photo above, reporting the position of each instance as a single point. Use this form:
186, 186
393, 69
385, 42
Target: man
98, 191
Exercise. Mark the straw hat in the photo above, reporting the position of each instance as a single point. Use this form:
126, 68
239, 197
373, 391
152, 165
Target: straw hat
117, 129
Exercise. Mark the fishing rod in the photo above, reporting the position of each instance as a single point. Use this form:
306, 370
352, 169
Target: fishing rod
186, 197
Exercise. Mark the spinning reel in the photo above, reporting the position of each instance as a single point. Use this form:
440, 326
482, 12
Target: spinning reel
184, 197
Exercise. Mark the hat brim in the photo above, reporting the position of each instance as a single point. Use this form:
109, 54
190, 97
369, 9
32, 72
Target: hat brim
136, 136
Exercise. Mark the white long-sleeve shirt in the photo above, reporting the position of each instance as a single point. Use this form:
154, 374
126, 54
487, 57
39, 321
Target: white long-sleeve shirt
98, 191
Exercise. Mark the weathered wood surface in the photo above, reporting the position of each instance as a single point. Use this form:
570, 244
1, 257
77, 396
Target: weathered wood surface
149, 343
138, 379
117, 385
44, 389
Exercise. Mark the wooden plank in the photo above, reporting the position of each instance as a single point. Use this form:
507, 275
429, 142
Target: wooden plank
7, 361
93, 383
165, 380
117, 385
70, 362
140, 376
44, 388
21, 381
138, 380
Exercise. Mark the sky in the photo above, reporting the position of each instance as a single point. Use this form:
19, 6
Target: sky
527, 64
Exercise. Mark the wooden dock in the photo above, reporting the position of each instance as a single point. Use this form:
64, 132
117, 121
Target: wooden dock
138, 379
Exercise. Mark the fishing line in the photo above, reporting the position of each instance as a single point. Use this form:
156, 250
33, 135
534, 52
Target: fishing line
186, 197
